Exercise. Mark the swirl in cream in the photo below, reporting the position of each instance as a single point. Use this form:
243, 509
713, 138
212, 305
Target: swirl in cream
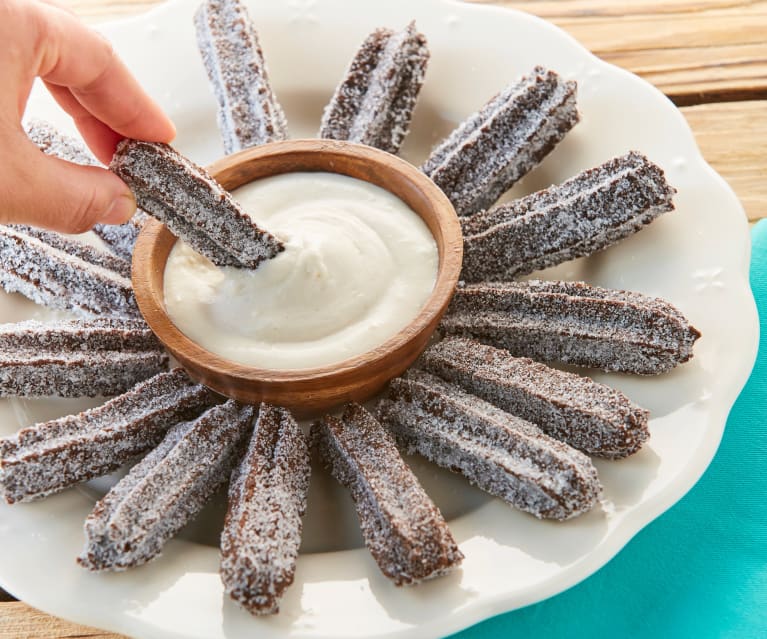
358, 266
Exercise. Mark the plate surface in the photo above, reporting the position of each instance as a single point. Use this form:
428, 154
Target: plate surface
696, 257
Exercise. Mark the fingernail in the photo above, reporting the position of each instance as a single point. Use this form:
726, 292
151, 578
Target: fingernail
121, 210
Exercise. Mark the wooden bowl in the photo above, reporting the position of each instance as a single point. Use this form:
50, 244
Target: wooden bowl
311, 390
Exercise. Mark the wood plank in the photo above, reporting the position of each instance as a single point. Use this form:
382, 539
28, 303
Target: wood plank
733, 139
702, 51
19, 621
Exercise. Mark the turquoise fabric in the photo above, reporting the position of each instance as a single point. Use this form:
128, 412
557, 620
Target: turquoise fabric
700, 570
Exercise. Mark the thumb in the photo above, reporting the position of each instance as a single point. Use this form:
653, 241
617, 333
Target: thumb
42, 190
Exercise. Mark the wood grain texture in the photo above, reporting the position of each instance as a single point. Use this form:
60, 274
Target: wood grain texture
733, 138
19, 621
696, 51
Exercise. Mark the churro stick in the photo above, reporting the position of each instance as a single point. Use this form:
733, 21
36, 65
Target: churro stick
501, 454
403, 529
81, 358
77, 249
267, 499
589, 212
134, 520
53, 142
374, 103
574, 323
43, 267
503, 141
586, 415
119, 238
248, 111
51, 456
192, 205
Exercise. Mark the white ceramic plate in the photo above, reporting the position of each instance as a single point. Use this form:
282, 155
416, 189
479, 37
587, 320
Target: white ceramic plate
696, 257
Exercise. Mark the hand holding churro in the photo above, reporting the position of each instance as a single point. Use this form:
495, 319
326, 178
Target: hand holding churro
88, 80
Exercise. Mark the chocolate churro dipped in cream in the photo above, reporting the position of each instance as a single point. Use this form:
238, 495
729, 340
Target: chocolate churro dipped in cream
503, 141
586, 415
501, 454
185, 198
118, 238
585, 214
248, 111
267, 499
402, 528
134, 520
375, 100
574, 323
49, 457
54, 271
81, 358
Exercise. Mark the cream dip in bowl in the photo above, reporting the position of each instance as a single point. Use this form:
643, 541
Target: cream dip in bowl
357, 267
373, 254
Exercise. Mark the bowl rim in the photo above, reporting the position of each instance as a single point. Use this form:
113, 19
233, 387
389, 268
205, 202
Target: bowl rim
450, 251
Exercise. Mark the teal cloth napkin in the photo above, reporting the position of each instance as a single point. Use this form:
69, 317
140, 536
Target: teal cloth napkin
700, 570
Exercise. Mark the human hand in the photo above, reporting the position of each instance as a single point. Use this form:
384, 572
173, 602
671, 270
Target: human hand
89, 82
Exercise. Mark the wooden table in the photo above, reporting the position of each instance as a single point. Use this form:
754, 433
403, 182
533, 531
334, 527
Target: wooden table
708, 56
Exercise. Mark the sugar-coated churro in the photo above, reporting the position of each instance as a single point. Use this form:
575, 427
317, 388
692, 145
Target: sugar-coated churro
267, 499
403, 529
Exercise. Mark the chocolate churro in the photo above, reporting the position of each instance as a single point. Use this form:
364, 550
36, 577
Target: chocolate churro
51, 456
53, 142
82, 358
192, 205
77, 249
589, 416
501, 454
248, 111
374, 103
118, 238
121, 238
589, 212
574, 323
503, 141
134, 520
44, 267
267, 499
403, 529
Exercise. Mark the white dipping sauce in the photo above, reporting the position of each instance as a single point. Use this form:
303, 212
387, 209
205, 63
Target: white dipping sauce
358, 265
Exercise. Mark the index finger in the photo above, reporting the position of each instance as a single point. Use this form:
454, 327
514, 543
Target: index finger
71, 55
